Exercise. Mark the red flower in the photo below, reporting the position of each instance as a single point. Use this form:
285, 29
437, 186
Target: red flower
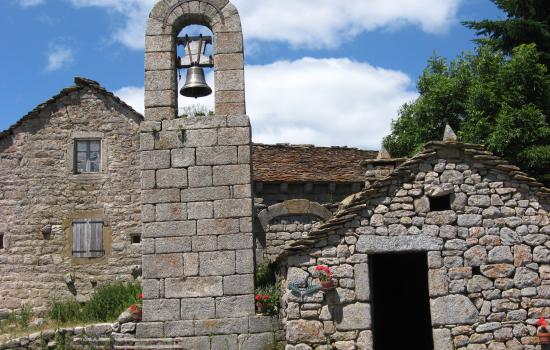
140, 296
265, 297
542, 322
258, 297
133, 307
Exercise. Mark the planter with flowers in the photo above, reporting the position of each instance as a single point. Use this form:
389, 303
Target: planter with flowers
261, 303
136, 309
325, 276
268, 299
542, 331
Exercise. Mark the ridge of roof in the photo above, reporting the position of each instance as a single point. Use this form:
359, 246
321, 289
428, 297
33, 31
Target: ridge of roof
352, 206
80, 83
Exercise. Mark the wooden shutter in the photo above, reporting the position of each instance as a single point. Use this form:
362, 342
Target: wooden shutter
88, 239
96, 239
78, 231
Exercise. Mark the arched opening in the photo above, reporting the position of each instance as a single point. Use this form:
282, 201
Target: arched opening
194, 46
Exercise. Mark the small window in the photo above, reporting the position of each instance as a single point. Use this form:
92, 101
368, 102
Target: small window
1, 241
88, 239
136, 239
87, 156
440, 203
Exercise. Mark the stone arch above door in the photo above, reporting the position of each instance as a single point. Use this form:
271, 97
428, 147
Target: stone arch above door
293, 207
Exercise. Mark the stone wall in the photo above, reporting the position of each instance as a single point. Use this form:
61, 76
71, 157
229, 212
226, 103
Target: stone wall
488, 256
282, 222
40, 195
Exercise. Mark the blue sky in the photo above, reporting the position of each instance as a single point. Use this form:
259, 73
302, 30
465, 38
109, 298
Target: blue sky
326, 74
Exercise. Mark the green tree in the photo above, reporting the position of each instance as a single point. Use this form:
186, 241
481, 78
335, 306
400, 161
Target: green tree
528, 21
489, 97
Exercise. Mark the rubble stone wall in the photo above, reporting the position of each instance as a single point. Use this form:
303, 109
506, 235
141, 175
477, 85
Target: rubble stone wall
40, 195
488, 255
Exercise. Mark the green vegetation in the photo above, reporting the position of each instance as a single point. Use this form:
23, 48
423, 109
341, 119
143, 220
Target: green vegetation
105, 305
498, 96
268, 291
528, 21
195, 110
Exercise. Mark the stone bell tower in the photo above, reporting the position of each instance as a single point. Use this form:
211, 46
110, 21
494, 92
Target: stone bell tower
198, 262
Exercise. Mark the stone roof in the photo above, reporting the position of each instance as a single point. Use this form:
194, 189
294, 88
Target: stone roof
80, 83
307, 163
352, 206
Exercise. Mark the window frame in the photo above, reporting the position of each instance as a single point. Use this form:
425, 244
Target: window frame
88, 151
82, 215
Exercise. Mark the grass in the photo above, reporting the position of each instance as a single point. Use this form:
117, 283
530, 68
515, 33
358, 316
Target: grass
105, 305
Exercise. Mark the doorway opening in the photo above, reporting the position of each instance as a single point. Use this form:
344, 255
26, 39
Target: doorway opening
400, 301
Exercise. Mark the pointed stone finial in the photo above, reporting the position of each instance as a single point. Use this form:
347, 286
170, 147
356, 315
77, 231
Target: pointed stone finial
383, 153
449, 135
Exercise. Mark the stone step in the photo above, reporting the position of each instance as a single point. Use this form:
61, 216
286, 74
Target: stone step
128, 343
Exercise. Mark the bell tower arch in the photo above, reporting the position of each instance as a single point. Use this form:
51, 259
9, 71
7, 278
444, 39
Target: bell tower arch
165, 21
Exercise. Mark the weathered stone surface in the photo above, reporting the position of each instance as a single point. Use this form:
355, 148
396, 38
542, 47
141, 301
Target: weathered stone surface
192, 287
541, 255
525, 277
161, 310
162, 265
169, 229
304, 331
235, 306
220, 263
497, 270
256, 341
475, 256
378, 244
238, 284
501, 254
437, 282
197, 308
297, 276
453, 309
442, 339
354, 317
362, 283
469, 220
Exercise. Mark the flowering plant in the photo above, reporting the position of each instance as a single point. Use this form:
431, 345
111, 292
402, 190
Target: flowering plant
325, 274
541, 322
262, 298
137, 307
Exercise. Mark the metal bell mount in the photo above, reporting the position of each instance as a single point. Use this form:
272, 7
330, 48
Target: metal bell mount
195, 82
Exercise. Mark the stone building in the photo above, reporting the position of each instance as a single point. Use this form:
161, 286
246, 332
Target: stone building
449, 250
446, 250
69, 176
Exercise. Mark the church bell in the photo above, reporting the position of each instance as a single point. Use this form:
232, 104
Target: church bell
195, 60
195, 83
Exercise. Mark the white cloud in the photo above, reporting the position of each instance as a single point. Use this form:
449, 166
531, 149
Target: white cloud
315, 24
133, 96
327, 23
319, 101
135, 12
59, 56
324, 101
30, 3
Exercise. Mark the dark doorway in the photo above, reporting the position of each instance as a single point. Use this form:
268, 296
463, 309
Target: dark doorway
400, 301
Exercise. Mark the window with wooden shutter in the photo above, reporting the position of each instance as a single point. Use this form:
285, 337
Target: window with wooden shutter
87, 156
88, 239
